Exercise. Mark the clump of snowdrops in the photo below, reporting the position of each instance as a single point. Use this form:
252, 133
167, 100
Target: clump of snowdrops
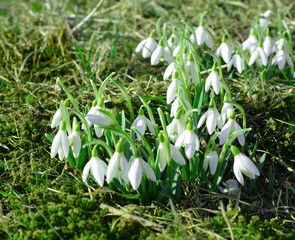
200, 140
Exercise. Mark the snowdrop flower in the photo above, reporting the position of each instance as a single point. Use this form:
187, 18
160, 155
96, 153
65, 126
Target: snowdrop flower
283, 43
57, 117
211, 160
189, 140
190, 70
147, 46
96, 167
177, 103
96, 116
258, 56
213, 79
201, 36
264, 19
281, 58
118, 165
238, 62
173, 40
243, 164
172, 88
169, 70
228, 128
176, 127
138, 167
141, 123
160, 52
250, 43
224, 50
269, 45
231, 187
213, 118
60, 143
162, 157
227, 108
74, 139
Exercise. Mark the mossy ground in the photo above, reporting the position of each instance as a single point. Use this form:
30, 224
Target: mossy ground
43, 198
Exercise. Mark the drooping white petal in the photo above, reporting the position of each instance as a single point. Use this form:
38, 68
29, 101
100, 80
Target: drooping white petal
247, 166
169, 70
215, 82
139, 47
98, 170
86, 171
241, 137
225, 131
180, 139
230, 63
171, 91
149, 47
56, 118
113, 167
202, 119
76, 145
237, 172
239, 64
148, 171
213, 162
135, 173
155, 58
149, 125
211, 122
55, 144
124, 165
98, 119
65, 143
162, 157
176, 155
98, 131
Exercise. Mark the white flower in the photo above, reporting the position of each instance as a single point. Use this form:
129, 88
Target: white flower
75, 142
177, 103
243, 164
250, 43
191, 71
189, 140
282, 43
213, 119
98, 130
226, 111
96, 167
269, 46
236, 61
213, 79
172, 88
202, 36
258, 56
264, 19
141, 123
175, 128
161, 52
173, 40
147, 47
231, 187
225, 51
60, 143
169, 70
281, 58
138, 167
96, 116
162, 157
230, 127
57, 117
118, 165
211, 160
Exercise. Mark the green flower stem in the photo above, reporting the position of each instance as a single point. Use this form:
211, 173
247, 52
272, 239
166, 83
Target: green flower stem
150, 113
70, 96
127, 98
99, 93
101, 143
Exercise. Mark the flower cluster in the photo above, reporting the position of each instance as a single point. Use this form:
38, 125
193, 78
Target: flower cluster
195, 139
